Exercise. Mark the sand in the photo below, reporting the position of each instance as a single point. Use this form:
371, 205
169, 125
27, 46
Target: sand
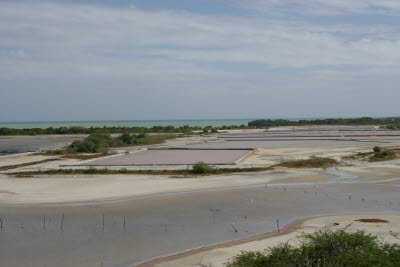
217, 255
86, 188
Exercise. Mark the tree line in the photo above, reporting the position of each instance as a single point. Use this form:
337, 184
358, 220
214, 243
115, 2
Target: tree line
111, 130
392, 123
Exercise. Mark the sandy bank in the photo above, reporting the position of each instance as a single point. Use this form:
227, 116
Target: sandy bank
91, 188
217, 255
87, 188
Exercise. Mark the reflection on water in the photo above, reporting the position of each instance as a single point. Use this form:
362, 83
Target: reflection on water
341, 176
119, 234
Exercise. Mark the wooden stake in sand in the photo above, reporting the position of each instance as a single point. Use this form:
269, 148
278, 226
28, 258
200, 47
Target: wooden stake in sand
62, 221
277, 225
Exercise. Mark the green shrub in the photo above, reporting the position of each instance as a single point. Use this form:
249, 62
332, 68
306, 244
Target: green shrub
325, 248
201, 167
377, 149
100, 143
383, 155
141, 135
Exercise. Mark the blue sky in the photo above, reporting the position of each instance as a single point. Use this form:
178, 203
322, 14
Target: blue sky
192, 59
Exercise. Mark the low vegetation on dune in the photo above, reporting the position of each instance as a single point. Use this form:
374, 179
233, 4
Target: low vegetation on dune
323, 249
97, 143
312, 162
378, 154
383, 155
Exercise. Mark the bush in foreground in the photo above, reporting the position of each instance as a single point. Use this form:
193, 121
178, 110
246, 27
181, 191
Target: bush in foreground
325, 248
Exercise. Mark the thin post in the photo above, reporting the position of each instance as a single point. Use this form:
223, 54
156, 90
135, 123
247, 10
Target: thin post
103, 221
44, 223
1, 224
124, 223
62, 221
277, 225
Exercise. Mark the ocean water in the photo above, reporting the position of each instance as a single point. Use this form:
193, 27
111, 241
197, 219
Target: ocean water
138, 123
132, 123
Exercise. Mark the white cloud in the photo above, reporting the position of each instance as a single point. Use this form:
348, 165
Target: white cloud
324, 7
54, 34
175, 54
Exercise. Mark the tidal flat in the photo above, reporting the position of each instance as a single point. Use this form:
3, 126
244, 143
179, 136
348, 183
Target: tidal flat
128, 232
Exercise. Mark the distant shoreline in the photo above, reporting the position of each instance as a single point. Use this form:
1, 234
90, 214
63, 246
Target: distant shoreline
125, 123
142, 123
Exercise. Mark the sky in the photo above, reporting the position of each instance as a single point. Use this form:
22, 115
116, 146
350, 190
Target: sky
66, 60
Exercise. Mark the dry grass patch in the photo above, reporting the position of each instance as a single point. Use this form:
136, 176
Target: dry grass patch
105, 171
84, 156
379, 154
312, 162
372, 221
10, 167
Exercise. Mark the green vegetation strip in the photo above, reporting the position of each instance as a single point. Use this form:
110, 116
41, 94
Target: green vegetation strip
93, 171
312, 162
323, 249
101, 143
96, 143
110, 130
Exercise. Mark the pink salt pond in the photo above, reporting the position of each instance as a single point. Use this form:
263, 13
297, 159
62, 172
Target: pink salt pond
173, 157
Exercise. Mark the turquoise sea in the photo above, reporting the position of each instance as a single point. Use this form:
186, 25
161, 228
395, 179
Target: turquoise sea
146, 123
133, 123
136, 123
